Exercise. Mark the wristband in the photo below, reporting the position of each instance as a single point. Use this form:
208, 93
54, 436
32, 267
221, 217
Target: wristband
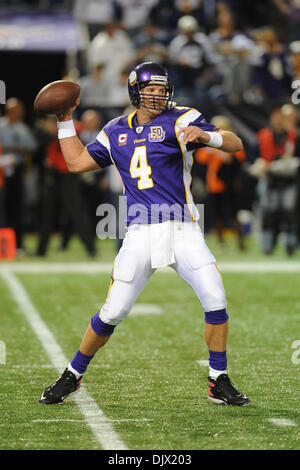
216, 140
66, 129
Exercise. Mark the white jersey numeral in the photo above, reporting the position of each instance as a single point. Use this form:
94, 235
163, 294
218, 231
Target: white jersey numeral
139, 168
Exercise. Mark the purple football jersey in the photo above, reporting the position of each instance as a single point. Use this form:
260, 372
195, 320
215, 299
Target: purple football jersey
155, 165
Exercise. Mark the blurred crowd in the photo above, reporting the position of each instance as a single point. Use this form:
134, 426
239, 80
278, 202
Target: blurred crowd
237, 62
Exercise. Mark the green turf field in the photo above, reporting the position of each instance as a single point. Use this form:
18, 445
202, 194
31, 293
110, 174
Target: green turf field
147, 380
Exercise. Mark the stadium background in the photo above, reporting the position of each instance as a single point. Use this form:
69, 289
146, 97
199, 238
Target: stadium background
232, 59
150, 382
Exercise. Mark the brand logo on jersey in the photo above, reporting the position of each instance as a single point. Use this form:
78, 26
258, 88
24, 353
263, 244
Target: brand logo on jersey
139, 129
122, 139
157, 134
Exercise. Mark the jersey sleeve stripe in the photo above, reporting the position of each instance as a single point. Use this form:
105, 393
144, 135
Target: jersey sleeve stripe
104, 140
187, 159
186, 118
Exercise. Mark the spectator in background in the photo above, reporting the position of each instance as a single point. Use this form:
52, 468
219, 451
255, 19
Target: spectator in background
167, 13
190, 57
221, 38
94, 14
276, 140
63, 204
195, 8
94, 88
113, 48
17, 138
134, 13
91, 182
290, 117
91, 122
118, 93
237, 82
225, 29
276, 170
161, 15
294, 48
43, 133
223, 184
151, 45
2, 212
271, 73
290, 9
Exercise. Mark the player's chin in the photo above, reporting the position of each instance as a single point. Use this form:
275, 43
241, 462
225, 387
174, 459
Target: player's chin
158, 110
155, 110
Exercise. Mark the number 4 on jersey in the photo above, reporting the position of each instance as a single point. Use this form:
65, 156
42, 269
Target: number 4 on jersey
139, 168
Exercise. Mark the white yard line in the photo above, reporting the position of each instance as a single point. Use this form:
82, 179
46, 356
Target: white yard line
66, 420
146, 309
260, 267
203, 363
49, 366
94, 417
106, 268
56, 268
281, 422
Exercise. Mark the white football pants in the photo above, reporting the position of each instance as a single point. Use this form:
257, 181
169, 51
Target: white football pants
145, 248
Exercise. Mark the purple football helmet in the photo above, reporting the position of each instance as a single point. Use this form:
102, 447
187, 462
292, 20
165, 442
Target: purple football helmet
150, 73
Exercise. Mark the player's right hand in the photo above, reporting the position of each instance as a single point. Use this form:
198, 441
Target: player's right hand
67, 115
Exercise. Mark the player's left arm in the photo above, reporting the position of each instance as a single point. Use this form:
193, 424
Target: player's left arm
224, 140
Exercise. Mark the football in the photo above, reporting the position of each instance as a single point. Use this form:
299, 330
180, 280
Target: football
57, 97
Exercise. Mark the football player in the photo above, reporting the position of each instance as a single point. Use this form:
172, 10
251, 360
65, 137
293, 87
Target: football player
152, 148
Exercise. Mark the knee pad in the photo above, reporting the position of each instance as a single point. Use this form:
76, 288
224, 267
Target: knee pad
216, 317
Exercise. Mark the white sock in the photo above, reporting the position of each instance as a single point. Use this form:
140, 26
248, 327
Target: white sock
214, 374
77, 375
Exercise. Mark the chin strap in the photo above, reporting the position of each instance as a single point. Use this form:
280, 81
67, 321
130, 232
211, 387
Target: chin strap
171, 104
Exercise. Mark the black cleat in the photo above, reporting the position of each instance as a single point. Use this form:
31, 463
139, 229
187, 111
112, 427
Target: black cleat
222, 392
67, 384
